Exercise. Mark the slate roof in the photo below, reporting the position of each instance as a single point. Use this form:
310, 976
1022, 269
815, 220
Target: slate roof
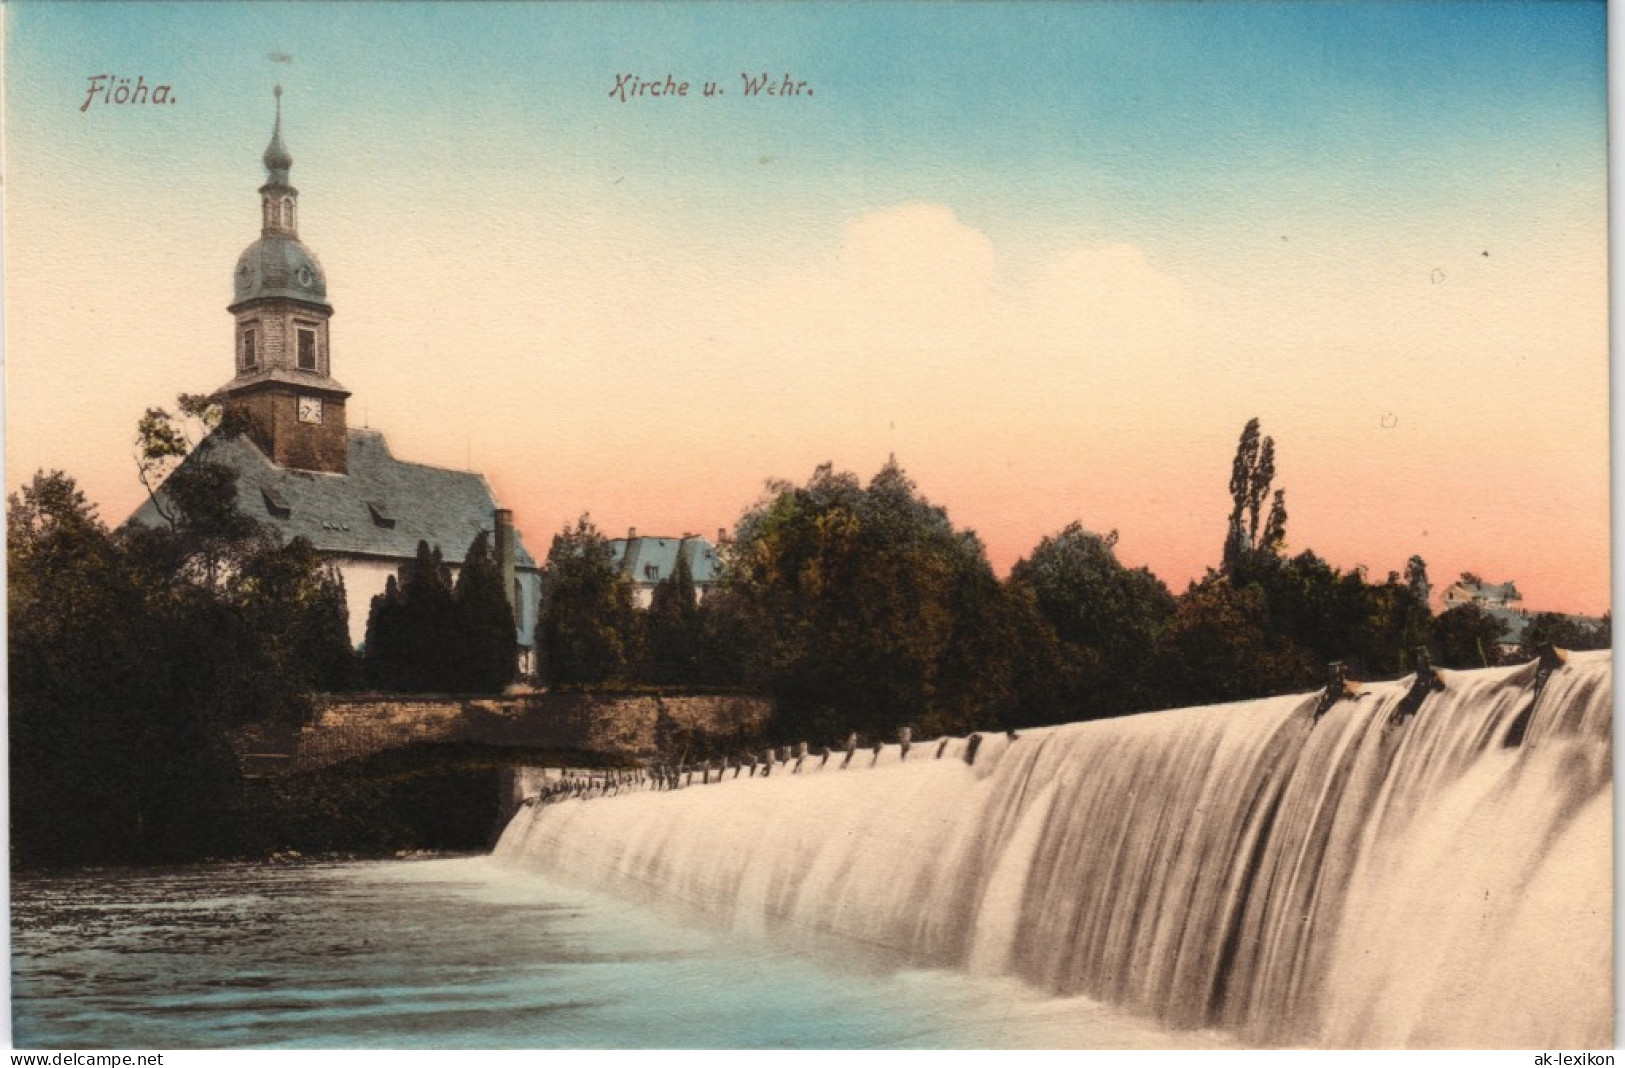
279, 265
382, 508
635, 557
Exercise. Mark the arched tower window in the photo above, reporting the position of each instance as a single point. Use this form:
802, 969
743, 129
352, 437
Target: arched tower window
249, 357
287, 212
308, 356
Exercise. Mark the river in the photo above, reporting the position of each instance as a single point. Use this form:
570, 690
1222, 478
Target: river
464, 953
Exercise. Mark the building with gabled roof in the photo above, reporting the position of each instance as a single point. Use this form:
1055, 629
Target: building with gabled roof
646, 561
1500, 600
302, 471
1483, 594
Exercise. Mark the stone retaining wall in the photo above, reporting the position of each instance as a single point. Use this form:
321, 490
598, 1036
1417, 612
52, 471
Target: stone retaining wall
622, 728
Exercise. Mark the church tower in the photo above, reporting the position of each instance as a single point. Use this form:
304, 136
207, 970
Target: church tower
283, 390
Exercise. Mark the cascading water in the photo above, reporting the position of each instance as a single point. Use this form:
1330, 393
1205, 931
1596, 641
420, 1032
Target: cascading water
1361, 880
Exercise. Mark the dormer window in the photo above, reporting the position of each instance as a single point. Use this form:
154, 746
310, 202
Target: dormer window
651, 572
307, 348
276, 505
248, 359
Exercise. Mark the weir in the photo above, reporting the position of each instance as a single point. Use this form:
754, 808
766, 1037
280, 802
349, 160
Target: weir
1386, 873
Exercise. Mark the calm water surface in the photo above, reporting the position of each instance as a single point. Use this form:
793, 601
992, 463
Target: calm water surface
463, 953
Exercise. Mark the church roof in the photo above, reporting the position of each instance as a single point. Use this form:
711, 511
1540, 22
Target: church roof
383, 507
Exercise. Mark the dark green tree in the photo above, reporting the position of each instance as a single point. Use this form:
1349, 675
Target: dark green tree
384, 649
1466, 636
1220, 646
295, 626
118, 745
673, 637
414, 639
587, 626
1106, 618
487, 642
858, 599
1565, 632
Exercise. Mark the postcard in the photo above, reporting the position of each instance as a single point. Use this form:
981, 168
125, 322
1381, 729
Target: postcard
808, 525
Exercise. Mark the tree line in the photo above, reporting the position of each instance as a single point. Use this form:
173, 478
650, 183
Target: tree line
136, 654
860, 607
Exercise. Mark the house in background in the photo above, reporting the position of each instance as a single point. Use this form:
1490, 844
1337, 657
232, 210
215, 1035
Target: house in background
302, 471
1484, 594
648, 560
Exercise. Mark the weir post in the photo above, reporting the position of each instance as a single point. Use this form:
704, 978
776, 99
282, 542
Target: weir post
1549, 659
1339, 687
767, 764
851, 747
973, 743
904, 734
1427, 681
942, 747
801, 755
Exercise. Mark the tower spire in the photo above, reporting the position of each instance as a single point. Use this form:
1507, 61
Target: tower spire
277, 160
279, 199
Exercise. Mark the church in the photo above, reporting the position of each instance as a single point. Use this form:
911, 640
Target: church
302, 471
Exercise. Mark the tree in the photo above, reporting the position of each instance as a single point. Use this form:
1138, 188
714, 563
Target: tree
587, 627
187, 489
1273, 542
1565, 632
384, 648
1466, 636
1416, 578
118, 748
294, 619
1220, 646
1106, 618
413, 634
487, 645
859, 598
1392, 623
1251, 473
672, 628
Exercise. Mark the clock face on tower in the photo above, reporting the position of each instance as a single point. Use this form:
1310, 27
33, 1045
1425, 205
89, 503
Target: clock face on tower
310, 409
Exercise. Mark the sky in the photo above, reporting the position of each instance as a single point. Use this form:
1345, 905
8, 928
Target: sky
1050, 256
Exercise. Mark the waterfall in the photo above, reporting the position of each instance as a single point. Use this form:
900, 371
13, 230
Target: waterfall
1363, 879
